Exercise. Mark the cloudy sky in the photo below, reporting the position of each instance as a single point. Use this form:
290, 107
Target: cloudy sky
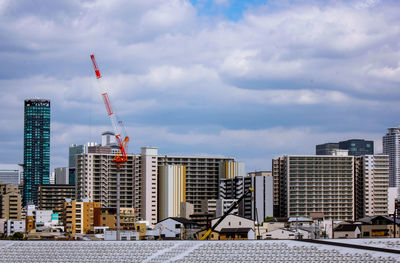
246, 79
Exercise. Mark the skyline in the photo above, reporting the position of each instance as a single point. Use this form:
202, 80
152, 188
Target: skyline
251, 81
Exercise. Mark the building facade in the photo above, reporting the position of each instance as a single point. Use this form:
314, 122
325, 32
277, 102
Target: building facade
357, 147
10, 202
52, 197
36, 147
10, 174
391, 147
79, 216
326, 148
314, 184
61, 175
257, 206
171, 190
74, 149
376, 184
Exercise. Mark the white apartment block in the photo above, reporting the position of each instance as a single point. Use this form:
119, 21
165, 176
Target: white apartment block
376, 183
148, 185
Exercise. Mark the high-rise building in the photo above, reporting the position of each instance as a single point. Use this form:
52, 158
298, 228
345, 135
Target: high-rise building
391, 147
61, 175
36, 147
376, 184
74, 149
171, 190
357, 147
10, 202
257, 206
96, 180
326, 148
314, 184
202, 176
231, 169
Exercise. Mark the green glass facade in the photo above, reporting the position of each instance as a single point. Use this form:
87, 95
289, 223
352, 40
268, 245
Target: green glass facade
36, 147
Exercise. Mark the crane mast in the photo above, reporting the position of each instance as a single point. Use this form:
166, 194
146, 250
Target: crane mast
119, 130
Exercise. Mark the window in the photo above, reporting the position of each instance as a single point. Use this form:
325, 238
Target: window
177, 226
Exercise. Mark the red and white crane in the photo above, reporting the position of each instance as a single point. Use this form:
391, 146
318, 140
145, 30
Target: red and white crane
119, 129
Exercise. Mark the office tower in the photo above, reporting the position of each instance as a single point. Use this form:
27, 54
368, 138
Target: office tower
376, 184
171, 190
326, 148
61, 175
257, 206
231, 169
310, 184
73, 151
10, 174
391, 147
36, 147
357, 147
10, 202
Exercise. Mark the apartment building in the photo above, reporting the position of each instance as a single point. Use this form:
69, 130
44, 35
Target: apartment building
52, 196
257, 206
96, 180
171, 190
310, 184
10, 202
376, 184
202, 176
79, 216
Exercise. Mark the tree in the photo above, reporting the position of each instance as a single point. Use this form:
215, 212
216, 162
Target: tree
17, 236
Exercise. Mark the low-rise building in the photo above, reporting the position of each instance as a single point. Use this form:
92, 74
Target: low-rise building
347, 231
78, 216
177, 228
10, 202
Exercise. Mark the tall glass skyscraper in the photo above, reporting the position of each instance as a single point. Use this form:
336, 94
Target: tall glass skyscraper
36, 147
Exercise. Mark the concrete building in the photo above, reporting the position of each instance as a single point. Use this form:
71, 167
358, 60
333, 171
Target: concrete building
74, 149
96, 180
391, 147
231, 169
44, 219
14, 226
222, 206
376, 184
202, 176
61, 175
36, 147
171, 190
10, 174
79, 216
310, 184
10, 202
52, 197
257, 206
186, 209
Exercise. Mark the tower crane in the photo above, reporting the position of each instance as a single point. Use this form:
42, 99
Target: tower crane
120, 134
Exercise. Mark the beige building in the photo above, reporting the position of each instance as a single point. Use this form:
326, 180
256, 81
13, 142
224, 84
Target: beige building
79, 216
171, 190
231, 169
10, 202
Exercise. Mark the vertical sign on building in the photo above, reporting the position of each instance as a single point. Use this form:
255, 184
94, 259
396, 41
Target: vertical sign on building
36, 147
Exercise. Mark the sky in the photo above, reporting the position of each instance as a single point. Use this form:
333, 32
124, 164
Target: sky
252, 80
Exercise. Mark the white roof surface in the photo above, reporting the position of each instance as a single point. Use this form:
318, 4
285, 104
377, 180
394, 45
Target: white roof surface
185, 251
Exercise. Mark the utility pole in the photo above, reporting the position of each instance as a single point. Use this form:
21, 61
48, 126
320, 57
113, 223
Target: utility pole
118, 203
